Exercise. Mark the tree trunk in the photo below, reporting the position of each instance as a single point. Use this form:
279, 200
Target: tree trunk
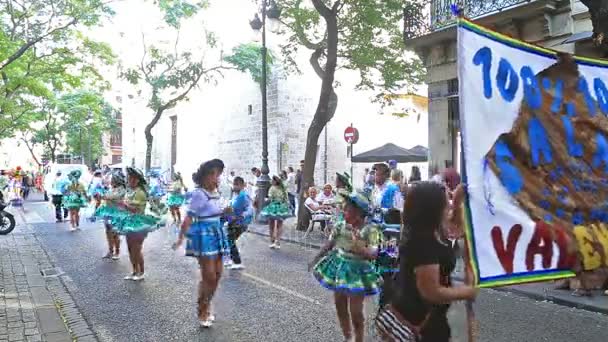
599, 18
328, 100
150, 138
310, 157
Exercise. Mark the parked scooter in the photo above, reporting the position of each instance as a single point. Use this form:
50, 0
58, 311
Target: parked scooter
7, 220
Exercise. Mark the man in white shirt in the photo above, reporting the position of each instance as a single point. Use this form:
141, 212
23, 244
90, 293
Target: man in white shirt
292, 188
381, 186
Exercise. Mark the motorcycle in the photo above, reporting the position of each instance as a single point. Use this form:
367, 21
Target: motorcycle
7, 220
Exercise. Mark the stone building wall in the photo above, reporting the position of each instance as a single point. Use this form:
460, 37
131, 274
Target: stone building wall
543, 28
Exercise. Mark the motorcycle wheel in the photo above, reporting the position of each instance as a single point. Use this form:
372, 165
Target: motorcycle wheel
7, 223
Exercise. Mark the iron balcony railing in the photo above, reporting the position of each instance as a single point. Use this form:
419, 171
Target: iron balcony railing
426, 16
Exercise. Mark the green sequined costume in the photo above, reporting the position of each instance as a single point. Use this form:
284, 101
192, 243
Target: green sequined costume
278, 209
346, 272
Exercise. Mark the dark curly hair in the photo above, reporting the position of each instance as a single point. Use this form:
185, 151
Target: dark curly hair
205, 169
424, 208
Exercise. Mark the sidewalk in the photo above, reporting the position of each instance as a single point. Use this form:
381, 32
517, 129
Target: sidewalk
537, 291
34, 303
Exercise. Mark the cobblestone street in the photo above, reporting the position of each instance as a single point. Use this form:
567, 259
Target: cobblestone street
35, 305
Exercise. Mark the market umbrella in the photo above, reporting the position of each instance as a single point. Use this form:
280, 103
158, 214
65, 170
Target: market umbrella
420, 150
389, 152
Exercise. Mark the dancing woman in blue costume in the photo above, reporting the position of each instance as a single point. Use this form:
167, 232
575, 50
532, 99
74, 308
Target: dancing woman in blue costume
345, 265
207, 238
138, 223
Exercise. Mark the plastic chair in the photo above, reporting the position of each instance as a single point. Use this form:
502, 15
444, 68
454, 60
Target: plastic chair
316, 217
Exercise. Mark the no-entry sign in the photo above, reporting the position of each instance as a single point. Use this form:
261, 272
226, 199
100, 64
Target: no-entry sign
351, 135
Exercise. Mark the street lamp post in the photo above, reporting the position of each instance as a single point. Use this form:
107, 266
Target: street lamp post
272, 12
89, 122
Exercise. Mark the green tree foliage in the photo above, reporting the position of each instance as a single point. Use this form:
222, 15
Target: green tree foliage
364, 36
176, 10
169, 75
42, 52
248, 58
73, 123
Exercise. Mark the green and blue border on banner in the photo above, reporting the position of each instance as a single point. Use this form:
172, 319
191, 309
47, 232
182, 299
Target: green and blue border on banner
522, 277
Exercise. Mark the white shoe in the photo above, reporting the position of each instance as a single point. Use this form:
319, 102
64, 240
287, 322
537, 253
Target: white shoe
206, 323
228, 263
272, 245
115, 257
73, 229
237, 267
139, 277
130, 277
211, 318
277, 246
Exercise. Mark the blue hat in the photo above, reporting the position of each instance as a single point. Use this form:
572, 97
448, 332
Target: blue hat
360, 200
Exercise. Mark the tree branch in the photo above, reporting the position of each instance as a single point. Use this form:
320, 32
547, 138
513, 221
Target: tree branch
30, 148
143, 58
323, 10
23, 49
301, 35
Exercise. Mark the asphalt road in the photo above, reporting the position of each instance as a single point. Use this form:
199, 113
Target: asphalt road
273, 299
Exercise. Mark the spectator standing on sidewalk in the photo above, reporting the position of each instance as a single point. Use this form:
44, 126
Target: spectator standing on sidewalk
292, 190
299, 177
60, 186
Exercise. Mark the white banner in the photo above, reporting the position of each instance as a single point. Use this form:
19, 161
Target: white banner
535, 158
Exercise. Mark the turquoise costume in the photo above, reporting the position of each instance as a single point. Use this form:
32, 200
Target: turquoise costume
176, 198
139, 220
75, 195
343, 271
110, 211
278, 208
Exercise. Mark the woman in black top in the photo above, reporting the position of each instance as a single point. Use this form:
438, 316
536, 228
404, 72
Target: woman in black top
423, 289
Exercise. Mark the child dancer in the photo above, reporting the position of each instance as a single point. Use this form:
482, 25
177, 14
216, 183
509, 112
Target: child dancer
176, 198
74, 199
207, 240
111, 212
345, 265
238, 220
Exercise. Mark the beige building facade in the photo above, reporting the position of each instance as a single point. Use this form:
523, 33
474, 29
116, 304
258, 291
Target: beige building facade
563, 25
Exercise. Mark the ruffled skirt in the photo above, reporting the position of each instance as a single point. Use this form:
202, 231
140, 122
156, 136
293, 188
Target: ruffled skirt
175, 200
111, 213
74, 201
276, 211
207, 238
348, 274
